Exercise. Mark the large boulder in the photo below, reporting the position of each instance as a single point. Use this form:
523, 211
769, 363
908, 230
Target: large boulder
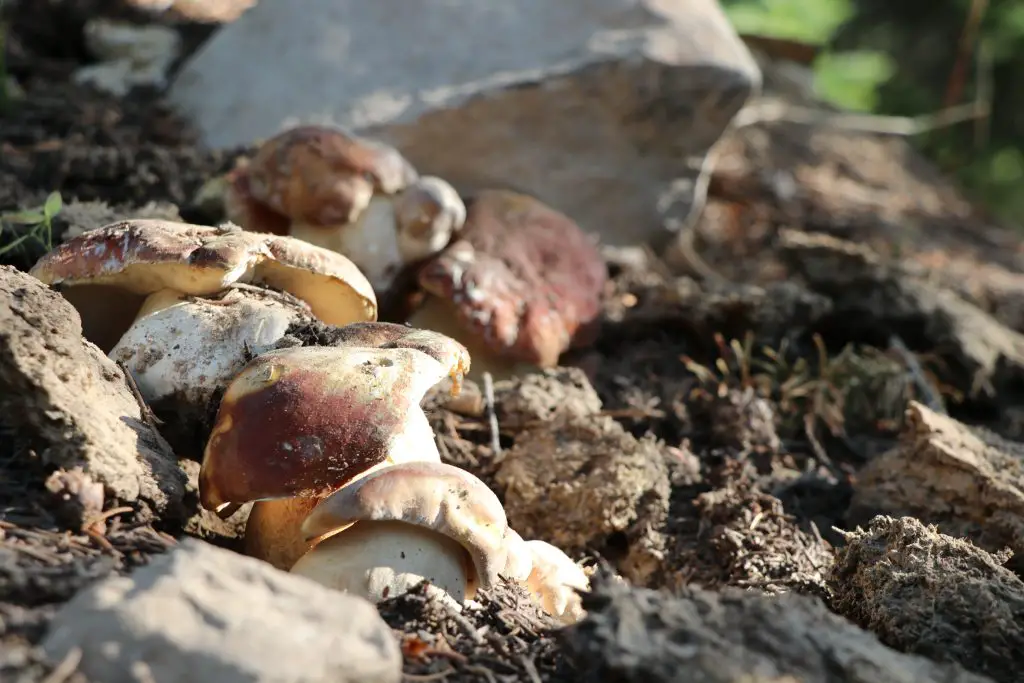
597, 107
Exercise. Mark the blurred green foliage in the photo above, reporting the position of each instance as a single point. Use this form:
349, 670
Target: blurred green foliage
897, 57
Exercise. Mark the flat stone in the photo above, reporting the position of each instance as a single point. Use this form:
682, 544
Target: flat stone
201, 613
596, 107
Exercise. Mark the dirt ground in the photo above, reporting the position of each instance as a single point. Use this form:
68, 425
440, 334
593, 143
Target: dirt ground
734, 428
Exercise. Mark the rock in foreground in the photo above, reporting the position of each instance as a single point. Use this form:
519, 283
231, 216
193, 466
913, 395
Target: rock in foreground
733, 636
593, 107
200, 613
72, 403
933, 595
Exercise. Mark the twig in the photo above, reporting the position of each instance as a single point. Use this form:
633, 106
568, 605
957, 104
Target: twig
682, 251
968, 36
930, 396
492, 416
67, 667
148, 416
531, 668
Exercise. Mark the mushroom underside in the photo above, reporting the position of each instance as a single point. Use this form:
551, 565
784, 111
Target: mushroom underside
377, 560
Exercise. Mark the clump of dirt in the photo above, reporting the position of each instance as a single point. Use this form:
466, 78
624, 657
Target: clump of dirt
508, 637
934, 595
584, 483
737, 535
968, 482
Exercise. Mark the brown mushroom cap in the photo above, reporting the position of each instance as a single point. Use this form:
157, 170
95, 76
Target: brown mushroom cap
319, 175
304, 421
433, 495
522, 277
97, 269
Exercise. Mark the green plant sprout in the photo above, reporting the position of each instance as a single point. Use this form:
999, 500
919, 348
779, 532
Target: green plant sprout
37, 224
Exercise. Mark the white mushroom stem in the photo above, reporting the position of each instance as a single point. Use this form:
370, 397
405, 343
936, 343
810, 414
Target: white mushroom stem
554, 580
370, 241
378, 560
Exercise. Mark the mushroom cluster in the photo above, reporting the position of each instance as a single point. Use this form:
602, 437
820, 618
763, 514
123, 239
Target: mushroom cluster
516, 281
330, 444
346, 193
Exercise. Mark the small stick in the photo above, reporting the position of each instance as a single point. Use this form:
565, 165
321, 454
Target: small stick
930, 396
492, 416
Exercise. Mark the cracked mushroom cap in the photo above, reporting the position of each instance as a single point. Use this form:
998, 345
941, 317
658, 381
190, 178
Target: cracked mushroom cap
301, 422
106, 273
521, 277
434, 495
314, 174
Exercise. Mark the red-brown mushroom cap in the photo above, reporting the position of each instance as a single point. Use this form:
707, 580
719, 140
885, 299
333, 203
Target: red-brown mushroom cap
321, 175
522, 277
301, 422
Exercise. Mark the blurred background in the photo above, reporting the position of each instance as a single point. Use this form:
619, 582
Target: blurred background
913, 58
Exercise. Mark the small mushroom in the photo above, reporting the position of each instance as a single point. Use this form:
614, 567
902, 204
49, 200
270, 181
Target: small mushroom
395, 527
554, 580
107, 273
520, 285
349, 194
296, 424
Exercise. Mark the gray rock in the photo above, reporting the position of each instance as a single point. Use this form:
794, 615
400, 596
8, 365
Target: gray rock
597, 107
636, 634
200, 613
60, 393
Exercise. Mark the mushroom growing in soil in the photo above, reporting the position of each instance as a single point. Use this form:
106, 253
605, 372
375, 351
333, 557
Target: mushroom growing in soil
383, 534
520, 285
297, 424
548, 574
167, 299
109, 272
349, 194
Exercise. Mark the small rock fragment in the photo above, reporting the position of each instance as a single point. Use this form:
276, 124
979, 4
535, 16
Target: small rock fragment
966, 482
899, 575
200, 613
636, 634
63, 395
584, 483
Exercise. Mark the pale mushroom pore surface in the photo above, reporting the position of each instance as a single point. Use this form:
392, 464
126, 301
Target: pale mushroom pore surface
434, 495
378, 560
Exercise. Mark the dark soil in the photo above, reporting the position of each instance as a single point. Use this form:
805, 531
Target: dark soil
748, 407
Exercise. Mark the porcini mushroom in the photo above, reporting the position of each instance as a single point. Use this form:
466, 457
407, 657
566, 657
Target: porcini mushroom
107, 273
296, 424
554, 580
520, 285
356, 196
386, 532
182, 350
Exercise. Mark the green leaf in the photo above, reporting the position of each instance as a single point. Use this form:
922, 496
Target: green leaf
53, 205
28, 217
